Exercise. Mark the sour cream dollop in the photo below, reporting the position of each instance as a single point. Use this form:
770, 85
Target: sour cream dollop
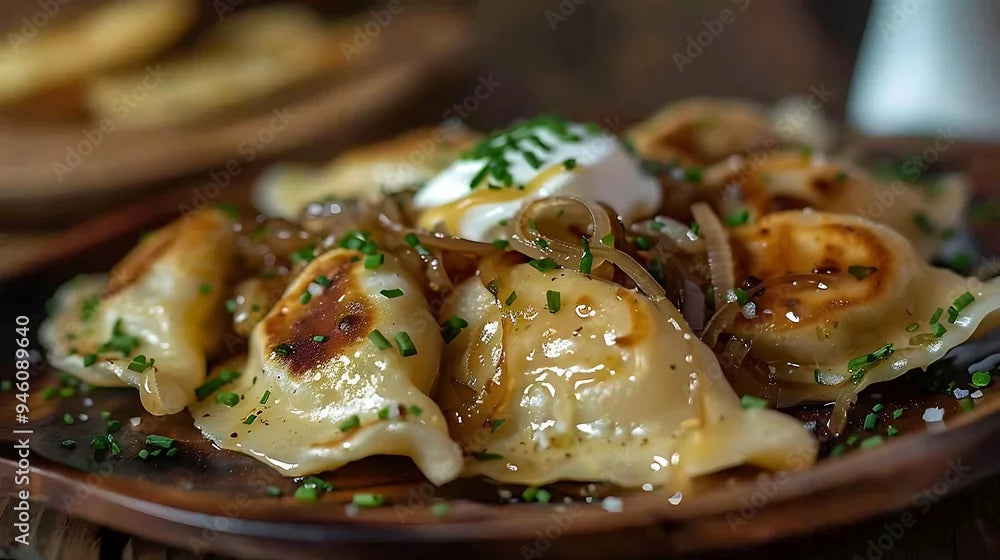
544, 157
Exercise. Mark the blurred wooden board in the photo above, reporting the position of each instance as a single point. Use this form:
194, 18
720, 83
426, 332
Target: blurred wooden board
46, 165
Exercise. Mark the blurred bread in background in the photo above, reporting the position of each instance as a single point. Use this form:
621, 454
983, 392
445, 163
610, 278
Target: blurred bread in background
246, 58
105, 38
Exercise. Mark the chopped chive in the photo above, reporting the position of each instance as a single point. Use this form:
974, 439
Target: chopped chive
263, 399
68, 443
860, 272
897, 413
452, 327
608, 240
891, 430
643, 243
231, 305
324, 282
306, 494
738, 218
981, 379
493, 288
938, 330
553, 301
543, 496
273, 491
912, 327
113, 426
963, 301
68, 392
105, 415
414, 410
694, 229
501, 244
89, 360
391, 294
751, 401
352, 422
484, 456
374, 261
283, 349
205, 288
872, 441
139, 364
440, 509
966, 404
405, 344
693, 174
379, 339
319, 338
543, 265
529, 493
369, 248
159, 441
510, 299
249, 419
838, 450
305, 297
366, 499
870, 420
952, 314
569, 164
878, 407
50, 393
587, 260
68, 419
852, 440
228, 399
479, 176
144, 454
857, 366
936, 315
495, 425
303, 255
383, 413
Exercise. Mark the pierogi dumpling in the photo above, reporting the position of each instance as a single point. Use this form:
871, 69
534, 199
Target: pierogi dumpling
926, 215
562, 377
876, 311
154, 321
340, 369
702, 131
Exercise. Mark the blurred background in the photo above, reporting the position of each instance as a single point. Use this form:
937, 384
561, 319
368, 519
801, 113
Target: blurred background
106, 105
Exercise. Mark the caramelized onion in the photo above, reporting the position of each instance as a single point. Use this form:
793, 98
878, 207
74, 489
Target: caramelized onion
720, 255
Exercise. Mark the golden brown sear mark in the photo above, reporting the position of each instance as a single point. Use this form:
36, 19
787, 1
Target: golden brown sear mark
826, 249
341, 314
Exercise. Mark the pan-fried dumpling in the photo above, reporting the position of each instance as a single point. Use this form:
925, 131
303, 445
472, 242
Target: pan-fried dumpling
703, 131
562, 377
871, 310
153, 322
339, 370
365, 173
547, 156
925, 214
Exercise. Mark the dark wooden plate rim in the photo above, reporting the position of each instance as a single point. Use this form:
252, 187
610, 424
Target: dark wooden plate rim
874, 481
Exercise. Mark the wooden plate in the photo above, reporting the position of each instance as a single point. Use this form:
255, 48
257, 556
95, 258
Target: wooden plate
209, 500
52, 166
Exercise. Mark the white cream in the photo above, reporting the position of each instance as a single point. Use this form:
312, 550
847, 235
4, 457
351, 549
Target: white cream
604, 172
